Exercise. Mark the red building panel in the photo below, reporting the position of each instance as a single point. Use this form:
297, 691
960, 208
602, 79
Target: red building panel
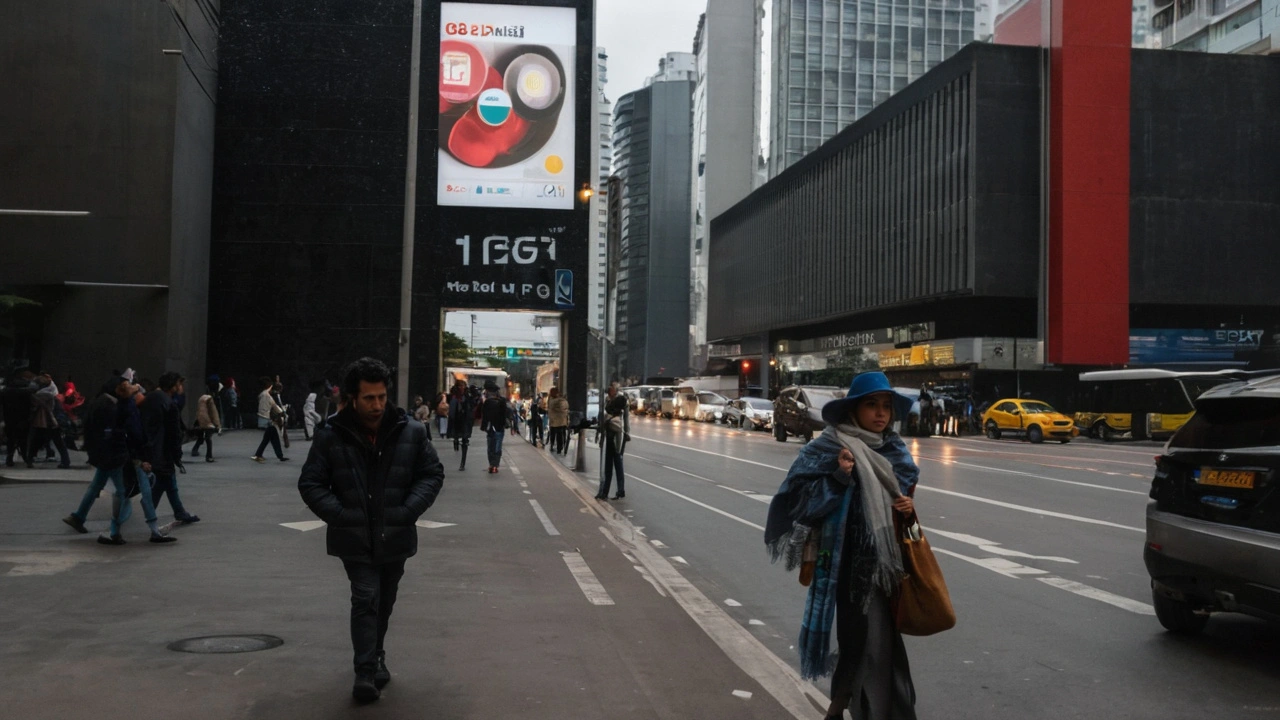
1089, 131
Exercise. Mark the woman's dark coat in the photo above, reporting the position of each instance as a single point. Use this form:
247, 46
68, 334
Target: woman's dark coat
371, 494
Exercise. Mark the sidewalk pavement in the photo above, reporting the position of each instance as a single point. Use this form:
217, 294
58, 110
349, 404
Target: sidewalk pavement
527, 599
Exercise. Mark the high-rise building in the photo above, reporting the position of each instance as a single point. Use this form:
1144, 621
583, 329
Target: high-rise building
835, 60
1217, 26
602, 165
698, 220
652, 156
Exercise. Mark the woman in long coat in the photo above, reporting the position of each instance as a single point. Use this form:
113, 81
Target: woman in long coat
834, 518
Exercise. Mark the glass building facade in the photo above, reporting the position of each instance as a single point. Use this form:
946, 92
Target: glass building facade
835, 60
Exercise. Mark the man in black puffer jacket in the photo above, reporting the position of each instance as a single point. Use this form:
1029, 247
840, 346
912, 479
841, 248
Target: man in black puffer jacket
370, 475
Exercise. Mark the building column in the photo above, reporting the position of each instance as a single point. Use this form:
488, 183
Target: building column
1089, 135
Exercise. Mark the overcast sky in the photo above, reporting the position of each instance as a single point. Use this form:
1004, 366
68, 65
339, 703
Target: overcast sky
636, 33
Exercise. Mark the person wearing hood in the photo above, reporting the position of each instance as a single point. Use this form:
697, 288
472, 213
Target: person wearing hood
370, 474
44, 421
834, 516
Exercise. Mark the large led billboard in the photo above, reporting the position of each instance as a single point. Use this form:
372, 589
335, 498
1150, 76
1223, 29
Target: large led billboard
506, 106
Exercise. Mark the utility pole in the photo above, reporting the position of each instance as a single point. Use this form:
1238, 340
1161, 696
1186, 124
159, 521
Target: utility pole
410, 210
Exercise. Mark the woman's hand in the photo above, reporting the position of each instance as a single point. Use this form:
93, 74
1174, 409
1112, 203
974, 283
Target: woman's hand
904, 505
846, 461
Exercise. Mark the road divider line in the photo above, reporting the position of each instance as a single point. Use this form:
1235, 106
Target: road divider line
1094, 593
1030, 475
591, 587
542, 515
1000, 566
1036, 455
1033, 511
701, 504
708, 452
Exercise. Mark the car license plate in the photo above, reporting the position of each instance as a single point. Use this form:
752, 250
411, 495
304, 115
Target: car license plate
1228, 478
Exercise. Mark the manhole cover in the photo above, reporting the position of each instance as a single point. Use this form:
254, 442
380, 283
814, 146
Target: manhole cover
213, 644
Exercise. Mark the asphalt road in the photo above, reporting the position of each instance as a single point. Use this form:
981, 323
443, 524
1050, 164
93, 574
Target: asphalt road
1042, 550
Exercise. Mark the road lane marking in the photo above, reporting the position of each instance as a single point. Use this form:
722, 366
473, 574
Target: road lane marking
586, 579
742, 694
1054, 457
433, 525
760, 497
995, 549
798, 696
1094, 593
701, 504
708, 452
1008, 568
542, 515
1033, 511
305, 525
1011, 569
1030, 475
983, 441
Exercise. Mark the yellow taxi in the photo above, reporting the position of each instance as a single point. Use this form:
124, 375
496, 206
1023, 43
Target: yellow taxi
1034, 420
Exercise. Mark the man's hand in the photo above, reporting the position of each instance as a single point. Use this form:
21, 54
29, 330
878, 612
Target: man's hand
846, 462
904, 505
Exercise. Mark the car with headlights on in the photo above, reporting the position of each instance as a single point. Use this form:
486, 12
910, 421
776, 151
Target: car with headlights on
1213, 523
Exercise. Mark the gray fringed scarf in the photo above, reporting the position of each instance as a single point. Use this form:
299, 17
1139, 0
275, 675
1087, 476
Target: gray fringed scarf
878, 487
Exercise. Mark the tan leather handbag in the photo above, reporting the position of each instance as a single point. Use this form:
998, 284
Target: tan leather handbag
923, 603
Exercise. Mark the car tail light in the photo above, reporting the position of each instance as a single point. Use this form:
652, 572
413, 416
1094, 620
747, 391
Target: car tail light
1157, 547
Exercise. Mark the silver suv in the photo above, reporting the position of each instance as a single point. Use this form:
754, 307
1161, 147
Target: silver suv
1213, 530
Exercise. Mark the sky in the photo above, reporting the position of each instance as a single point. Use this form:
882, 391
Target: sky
636, 33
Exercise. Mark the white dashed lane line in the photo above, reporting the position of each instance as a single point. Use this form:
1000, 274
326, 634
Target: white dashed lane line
542, 516
586, 579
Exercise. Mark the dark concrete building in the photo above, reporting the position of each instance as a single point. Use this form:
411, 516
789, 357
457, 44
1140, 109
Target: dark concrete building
97, 121
912, 241
310, 200
652, 135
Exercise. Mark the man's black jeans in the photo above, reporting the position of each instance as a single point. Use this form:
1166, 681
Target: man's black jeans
373, 594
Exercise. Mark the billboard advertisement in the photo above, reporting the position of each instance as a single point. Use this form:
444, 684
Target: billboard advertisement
506, 103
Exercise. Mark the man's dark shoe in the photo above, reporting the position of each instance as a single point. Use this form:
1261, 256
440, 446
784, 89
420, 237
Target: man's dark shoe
188, 519
619, 496
158, 539
64, 466
365, 689
76, 523
382, 675
110, 540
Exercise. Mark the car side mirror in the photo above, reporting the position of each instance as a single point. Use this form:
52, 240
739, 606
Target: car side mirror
801, 406
1016, 412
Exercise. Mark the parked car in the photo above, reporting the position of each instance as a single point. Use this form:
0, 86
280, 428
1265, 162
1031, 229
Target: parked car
1034, 420
710, 407
661, 401
798, 410
686, 403
750, 413
1213, 528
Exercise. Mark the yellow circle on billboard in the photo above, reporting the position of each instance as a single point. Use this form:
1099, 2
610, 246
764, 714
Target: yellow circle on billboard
554, 164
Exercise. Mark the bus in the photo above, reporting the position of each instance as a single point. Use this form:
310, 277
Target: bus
1109, 400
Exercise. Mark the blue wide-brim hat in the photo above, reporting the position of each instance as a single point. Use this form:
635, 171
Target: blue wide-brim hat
864, 384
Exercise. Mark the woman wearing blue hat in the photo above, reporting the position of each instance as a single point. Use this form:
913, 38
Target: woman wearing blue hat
834, 517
